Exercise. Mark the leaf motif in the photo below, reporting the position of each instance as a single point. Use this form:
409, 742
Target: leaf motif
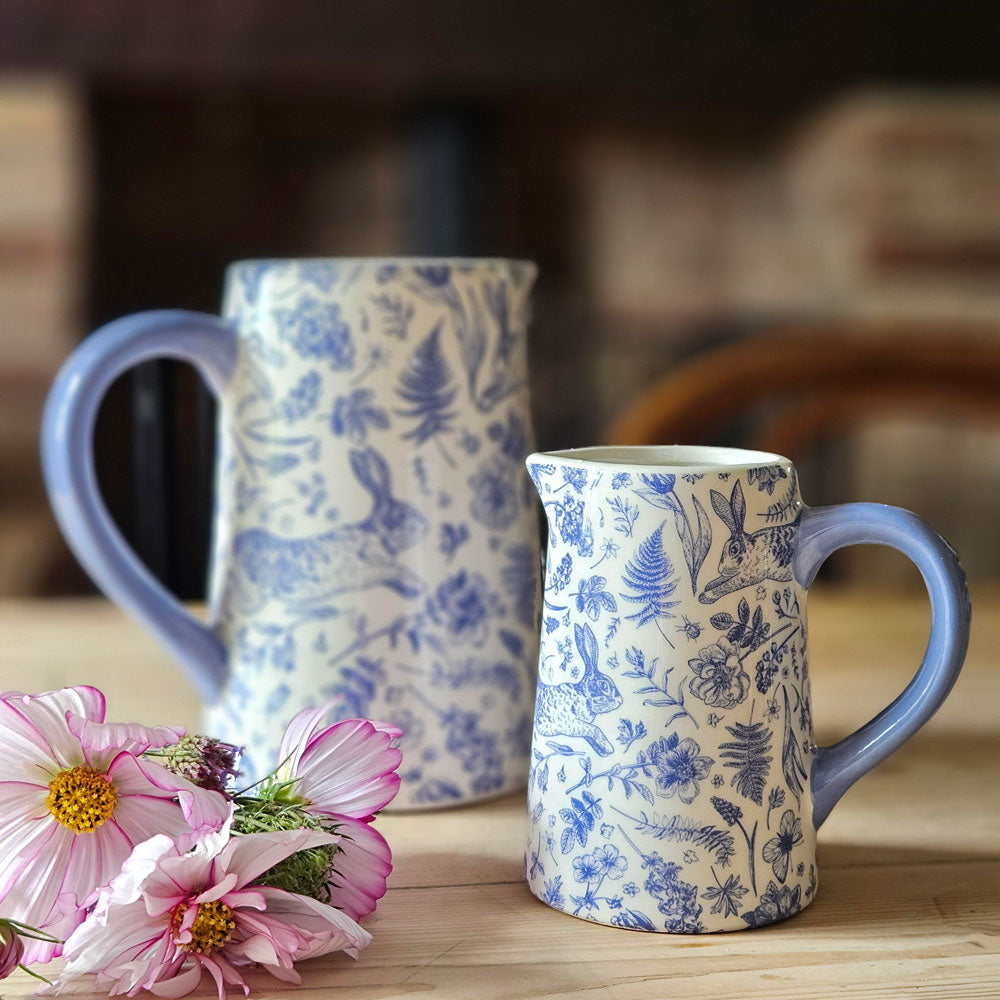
748, 753
429, 390
743, 610
566, 841
648, 575
664, 501
722, 620
780, 509
791, 756
684, 829
703, 541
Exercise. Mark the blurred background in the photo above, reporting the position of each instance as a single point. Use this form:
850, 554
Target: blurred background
691, 177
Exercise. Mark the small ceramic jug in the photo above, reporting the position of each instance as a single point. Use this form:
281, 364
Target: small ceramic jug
675, 784
375, 537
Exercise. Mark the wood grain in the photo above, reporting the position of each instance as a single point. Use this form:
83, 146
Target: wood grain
909, 897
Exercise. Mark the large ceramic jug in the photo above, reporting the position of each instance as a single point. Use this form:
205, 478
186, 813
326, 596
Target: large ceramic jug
375, 539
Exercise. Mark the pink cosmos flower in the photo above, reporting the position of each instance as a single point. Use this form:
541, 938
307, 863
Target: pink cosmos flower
170, 916
345, 772
75, 799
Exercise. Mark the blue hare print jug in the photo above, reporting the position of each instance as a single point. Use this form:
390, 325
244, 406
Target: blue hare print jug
675, 784
375, 537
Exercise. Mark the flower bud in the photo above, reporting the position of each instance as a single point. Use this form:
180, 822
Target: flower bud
11, 949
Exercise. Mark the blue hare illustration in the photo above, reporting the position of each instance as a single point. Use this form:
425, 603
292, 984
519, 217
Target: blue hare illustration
748, 559
569, 709
303, 572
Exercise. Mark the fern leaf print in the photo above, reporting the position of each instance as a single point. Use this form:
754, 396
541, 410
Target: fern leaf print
429, 390
649, 578
748, 753
791, 756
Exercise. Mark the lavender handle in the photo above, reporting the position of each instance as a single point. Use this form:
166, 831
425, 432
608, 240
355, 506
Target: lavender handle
821, 532
68, 465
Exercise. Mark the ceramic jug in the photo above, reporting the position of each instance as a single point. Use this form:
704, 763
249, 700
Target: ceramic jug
675, 783
375, 538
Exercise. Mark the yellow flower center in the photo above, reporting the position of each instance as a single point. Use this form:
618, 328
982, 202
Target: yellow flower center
81, 798
211, 930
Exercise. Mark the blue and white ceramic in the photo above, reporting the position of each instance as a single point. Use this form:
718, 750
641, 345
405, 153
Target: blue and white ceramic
675, 784
375, 531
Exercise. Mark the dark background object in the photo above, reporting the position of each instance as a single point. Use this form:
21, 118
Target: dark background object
221, 130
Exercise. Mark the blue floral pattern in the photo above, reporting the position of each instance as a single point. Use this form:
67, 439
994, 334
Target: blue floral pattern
679, 733
376, 538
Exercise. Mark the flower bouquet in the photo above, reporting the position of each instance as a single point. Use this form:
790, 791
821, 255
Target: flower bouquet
128, 851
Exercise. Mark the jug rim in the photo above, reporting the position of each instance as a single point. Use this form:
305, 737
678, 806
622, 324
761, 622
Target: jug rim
381, 261
663, 458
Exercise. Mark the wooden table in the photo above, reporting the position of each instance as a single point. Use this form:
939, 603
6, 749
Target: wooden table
909, 899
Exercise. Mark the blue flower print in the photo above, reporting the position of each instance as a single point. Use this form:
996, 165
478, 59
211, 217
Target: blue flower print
577, 478
766, 477
316, 330
630, 889
462, 605
720, 680
620, 479
778, 849
301, 399
681, 766
610, 862
551, 624
573, 527
436, 275
592, 598
587, 869
536, 470
562, 573
676, 900
775, 904
355, 413
452, 537
658, 489
495, 502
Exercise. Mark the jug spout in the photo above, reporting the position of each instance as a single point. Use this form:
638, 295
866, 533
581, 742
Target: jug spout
567, 491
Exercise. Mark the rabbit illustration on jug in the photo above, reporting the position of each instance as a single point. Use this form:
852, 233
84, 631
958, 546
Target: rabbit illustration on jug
748, 559
569, 709
304, 572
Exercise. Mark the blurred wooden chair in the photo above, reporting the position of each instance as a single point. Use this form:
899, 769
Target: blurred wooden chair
808, 382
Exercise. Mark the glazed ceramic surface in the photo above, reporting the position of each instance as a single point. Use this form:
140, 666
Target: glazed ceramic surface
375, 530
675, 784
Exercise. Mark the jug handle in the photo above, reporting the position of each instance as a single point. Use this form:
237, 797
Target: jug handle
822, 531
70, 478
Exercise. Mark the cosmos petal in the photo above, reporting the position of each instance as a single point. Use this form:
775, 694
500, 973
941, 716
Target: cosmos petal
329, 928
47, 712
111, 737
362, 866
349, 769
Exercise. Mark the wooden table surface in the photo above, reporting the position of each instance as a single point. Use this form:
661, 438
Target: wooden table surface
909, 897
